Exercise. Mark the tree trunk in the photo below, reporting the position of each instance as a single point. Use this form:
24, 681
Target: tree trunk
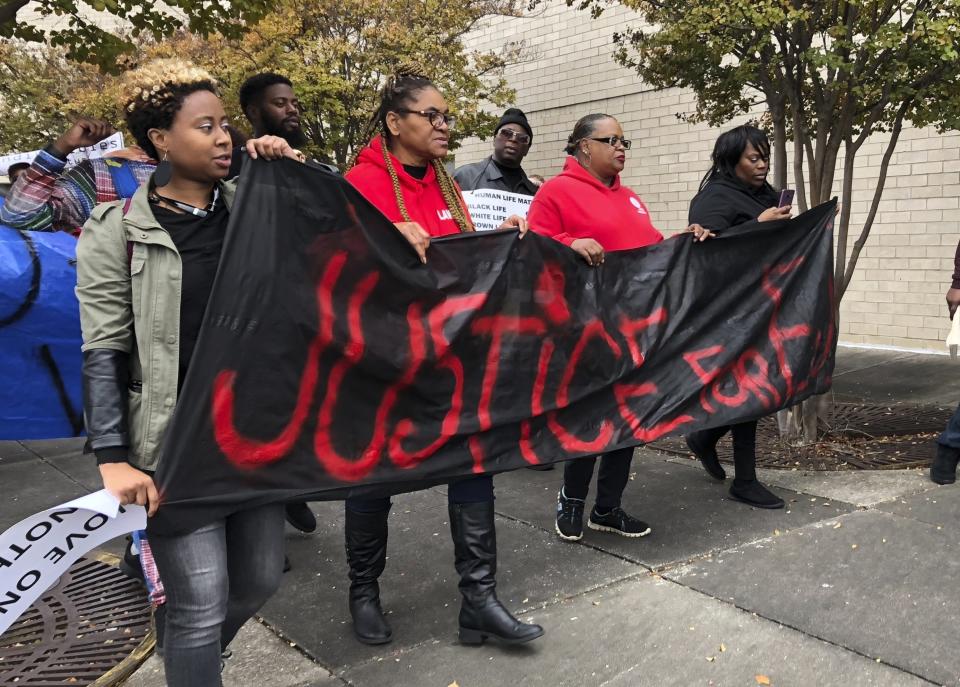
798, 425
778, 114
8, 10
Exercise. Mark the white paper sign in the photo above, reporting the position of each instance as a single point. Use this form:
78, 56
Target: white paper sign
104, 148
36, 551
489, 208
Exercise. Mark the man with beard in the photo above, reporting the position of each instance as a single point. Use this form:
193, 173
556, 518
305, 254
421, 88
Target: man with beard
268, 101
502, 171
271, 106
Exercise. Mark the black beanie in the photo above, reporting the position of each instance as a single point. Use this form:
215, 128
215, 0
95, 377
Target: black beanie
515, 116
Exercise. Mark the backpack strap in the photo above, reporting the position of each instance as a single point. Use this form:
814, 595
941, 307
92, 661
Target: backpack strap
124, 180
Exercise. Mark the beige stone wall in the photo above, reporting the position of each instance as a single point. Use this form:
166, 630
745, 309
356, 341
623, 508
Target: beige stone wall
897, 295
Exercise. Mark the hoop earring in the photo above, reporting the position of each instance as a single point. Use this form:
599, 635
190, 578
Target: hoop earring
163, 173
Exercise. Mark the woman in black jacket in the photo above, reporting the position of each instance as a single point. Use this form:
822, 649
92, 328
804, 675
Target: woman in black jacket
735, 193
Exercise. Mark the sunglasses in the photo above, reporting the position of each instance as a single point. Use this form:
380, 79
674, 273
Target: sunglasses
516, 136
437, 119
614, 140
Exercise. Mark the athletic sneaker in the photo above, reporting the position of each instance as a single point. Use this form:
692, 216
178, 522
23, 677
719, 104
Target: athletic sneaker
619, 522
569, 517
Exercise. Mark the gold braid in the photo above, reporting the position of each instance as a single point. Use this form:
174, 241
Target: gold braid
451, 196
395, 180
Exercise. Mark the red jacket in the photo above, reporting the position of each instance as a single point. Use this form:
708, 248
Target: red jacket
423, 198
576, 205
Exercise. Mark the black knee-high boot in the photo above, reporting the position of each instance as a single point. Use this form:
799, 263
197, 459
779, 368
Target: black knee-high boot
944, 468
475, 547
366, 540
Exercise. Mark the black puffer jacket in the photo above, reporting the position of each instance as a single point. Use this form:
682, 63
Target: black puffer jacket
726, 203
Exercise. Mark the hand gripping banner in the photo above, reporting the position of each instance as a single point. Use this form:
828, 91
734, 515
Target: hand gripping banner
332, 362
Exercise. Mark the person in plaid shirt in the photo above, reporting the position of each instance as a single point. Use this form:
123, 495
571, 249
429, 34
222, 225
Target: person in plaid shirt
45, 199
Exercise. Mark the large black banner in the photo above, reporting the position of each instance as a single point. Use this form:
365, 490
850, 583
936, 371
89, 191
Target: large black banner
332, 362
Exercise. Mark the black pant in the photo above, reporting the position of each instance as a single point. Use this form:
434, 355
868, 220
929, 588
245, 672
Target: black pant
470, 490
612, 480
744, 446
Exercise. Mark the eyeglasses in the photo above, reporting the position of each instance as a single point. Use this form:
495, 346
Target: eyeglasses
511, 135
614, 140
437, 119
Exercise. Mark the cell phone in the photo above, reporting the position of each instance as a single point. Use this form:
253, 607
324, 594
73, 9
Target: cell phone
786, 197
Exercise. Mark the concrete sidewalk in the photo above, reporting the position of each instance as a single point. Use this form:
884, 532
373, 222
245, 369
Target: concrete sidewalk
851, 584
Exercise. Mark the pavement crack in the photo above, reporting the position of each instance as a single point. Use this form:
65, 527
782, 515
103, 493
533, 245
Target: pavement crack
303, 651
937, 525
805, 633
54, 466
612, 554
898, 358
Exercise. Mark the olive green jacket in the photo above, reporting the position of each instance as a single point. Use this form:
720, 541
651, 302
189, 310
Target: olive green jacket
128, 286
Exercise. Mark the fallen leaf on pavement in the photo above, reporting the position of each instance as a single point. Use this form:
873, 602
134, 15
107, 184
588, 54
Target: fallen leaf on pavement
837, 526
722, 648
762, 680
711, 658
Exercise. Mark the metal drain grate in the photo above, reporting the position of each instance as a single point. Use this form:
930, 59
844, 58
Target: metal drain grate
855, 437
92, 628
888, 421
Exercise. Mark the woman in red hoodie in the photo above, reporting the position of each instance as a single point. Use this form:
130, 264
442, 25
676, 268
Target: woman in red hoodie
401, 172
566, 209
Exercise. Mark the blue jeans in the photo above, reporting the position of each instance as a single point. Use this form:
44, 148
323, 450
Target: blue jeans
216, 578
951, 435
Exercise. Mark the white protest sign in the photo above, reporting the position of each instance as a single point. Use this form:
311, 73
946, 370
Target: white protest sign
104, 148
489, 208
36, 551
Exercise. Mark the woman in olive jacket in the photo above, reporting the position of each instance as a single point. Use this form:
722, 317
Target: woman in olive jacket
145, 270
734, 194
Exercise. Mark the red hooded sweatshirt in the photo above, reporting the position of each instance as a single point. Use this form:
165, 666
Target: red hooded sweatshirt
423, 198
576, 205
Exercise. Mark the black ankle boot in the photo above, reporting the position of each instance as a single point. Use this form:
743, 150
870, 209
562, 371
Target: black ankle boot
944, 468
475, 547
366, 539
704, 447
754, 494
300, 516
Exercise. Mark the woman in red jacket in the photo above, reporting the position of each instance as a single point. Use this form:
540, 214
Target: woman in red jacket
401, 172
587, 208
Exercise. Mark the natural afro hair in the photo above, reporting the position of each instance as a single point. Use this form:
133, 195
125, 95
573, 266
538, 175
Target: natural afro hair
155, 93
252, 89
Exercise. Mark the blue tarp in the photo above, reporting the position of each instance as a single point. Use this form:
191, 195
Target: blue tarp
40, 394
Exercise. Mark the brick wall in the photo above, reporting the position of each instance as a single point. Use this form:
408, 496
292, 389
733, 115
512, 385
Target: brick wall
896, 296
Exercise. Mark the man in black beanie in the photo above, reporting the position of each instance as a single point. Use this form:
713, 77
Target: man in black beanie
502, 171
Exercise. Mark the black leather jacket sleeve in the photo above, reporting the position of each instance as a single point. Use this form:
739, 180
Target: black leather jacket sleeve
105, 379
